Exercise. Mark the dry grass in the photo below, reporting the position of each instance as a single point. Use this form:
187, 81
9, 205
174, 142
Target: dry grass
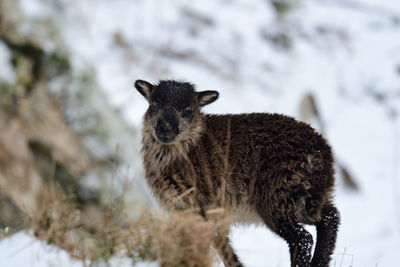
93, 235
183, 240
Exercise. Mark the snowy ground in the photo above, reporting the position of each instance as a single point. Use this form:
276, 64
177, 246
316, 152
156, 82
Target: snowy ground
24, 250
347, 55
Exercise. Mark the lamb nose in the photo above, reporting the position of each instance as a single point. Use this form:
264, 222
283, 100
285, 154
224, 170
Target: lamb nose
161, 127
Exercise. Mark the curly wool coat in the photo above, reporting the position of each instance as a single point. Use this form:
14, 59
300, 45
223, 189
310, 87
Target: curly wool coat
259, 167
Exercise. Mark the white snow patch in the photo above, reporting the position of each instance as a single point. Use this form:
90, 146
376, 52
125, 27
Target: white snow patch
7, 73
22, 249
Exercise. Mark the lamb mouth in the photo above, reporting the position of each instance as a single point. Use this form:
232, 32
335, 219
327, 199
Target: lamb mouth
165, 138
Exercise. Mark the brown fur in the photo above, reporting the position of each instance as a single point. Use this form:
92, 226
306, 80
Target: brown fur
258, 167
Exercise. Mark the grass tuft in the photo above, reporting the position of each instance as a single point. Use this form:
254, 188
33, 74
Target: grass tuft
176, 239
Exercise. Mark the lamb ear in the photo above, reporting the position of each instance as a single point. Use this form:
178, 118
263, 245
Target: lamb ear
207, 97
145, 88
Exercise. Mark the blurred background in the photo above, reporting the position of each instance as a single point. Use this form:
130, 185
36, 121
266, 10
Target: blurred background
70, 117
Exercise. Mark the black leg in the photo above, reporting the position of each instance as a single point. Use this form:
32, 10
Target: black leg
300, 242
326, 236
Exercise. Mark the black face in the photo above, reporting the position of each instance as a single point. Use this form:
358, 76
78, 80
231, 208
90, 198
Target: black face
174, 94
172, 101
167, 126
174, 107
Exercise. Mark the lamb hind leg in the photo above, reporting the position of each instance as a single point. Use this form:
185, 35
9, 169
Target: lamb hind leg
326, 236
300, 241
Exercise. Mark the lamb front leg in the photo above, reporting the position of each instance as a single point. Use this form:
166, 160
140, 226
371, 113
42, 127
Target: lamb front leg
223, 245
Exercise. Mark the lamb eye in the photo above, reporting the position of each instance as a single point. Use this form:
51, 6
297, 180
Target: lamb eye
187, 113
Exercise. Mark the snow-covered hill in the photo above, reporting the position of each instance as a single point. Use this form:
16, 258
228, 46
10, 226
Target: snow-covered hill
346, 53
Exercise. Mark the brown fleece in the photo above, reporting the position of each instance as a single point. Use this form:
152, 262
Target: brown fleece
259, 168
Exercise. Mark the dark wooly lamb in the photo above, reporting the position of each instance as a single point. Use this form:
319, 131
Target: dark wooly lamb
258, 167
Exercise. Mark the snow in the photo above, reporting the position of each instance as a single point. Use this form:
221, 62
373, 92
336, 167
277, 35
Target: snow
23, 249
356, 55
6, 72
